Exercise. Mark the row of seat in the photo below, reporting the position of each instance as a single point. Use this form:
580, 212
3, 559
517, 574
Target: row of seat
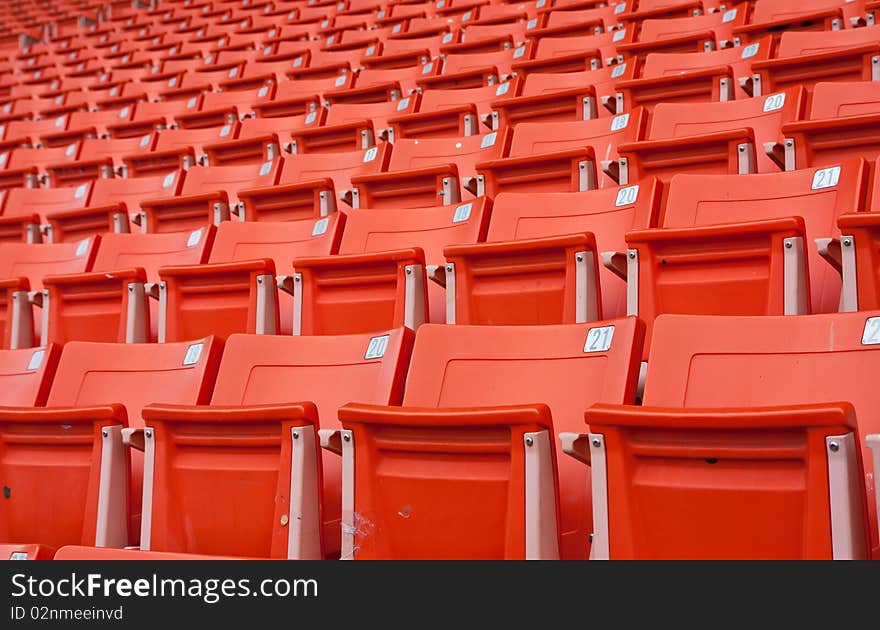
713, 244
459, 461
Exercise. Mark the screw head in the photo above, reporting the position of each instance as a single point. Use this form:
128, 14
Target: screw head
834, 446
597, 442
529, 441
346, 437
632, 254
787, 244
148, 433
789, 142
847, 242
297, 279
296, 435
259, 279
449, 268
579, 258
409, 271
741, 148
105, 433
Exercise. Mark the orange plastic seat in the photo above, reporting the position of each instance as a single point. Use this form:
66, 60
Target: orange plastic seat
189, 449
727, 137
776, 16
737, 245
541, 263
380, 277
25, 209
236, 290
561, 156
806, 57
767, 466
110, 303
61, 491
467, 467
719, 75
22, 269
207, 194
844, 122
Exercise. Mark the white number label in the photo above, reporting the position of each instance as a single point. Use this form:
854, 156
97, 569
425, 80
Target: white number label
265, 168
169, 179
192, 354
826, 178
488, 140
729, 16
370, 155
618, 70
750, 51
502, 89
36, 360
599, 339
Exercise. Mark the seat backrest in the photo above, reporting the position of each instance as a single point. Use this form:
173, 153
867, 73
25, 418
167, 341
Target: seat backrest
818, 195
26, 375
764, 115
773, 10
777, 360
836, 100
608, 213
537, 83
279, 241
59, 477
230, 178
169, 139
465, 152
153, 250
133, 190
328, 371
36, 260
666, 28
567, 367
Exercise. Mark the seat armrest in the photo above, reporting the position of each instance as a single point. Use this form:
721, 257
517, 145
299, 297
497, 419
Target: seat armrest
302, 413
533, 416
114, 414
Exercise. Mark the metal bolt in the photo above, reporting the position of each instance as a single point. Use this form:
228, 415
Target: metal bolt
15, 296
789, 142
148, 433
597, 442
847, 242
579, 258
296, 435
105, 433
787, 244
834, 446
259, 279
741, 148
131, 288
297, 279
529, 441
632, 254
875, 59
449, 268
346, 437
409, 271
582, 166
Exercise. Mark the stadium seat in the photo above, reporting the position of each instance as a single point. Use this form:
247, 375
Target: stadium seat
268, 500
207, 194
735, 244
465, 471
236, 290
111, 303
24, 209
379, 278
676, 478
561, 156
22, 268
428, 172
842, 124
60, 488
